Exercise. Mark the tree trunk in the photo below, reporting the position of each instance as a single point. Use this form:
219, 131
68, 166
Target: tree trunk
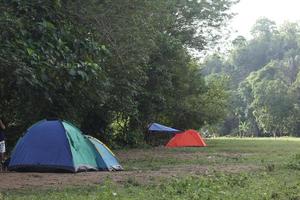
274, 134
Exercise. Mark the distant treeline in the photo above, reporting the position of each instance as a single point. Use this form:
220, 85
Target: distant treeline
264, 81
110, 67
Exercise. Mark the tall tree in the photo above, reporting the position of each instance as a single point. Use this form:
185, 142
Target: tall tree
110, 66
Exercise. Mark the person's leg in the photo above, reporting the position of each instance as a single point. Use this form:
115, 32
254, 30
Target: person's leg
1, 161
1, 155
2, 151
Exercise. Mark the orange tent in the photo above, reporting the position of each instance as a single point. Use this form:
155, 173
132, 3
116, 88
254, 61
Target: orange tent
189, 138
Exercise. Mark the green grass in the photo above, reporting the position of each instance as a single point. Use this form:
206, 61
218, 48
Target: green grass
276, 176
223, 151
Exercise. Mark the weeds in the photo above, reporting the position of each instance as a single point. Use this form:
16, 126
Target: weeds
272, 177
294, 163
270, 167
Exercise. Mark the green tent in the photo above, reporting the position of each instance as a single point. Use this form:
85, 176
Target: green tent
55, 145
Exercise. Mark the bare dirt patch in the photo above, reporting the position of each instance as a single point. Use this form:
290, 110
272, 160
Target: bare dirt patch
16, 180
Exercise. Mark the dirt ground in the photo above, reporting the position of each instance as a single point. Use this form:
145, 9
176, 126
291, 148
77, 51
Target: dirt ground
17, 180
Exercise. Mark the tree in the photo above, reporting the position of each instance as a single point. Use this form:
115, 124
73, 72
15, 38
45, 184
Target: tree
115, 64
51, 65
264, 27
149, 41
263, 74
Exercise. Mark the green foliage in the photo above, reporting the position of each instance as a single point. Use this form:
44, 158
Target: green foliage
51, 64
263, 74
111, 67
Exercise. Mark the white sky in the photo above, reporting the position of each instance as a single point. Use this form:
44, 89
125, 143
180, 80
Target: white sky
248, 11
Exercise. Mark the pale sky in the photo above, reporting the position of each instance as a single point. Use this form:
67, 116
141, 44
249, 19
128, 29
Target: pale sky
277, 10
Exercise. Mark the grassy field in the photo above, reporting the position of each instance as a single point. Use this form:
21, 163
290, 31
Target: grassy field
226, 169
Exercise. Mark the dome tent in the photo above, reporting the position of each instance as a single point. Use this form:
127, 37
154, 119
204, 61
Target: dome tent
189, 138
107, 155
55, 145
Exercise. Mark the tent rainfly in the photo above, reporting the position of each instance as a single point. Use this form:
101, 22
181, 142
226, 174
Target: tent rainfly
155, 127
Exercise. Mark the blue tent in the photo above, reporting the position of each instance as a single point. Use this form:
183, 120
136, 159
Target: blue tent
55, 145
111, 161
155, 127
